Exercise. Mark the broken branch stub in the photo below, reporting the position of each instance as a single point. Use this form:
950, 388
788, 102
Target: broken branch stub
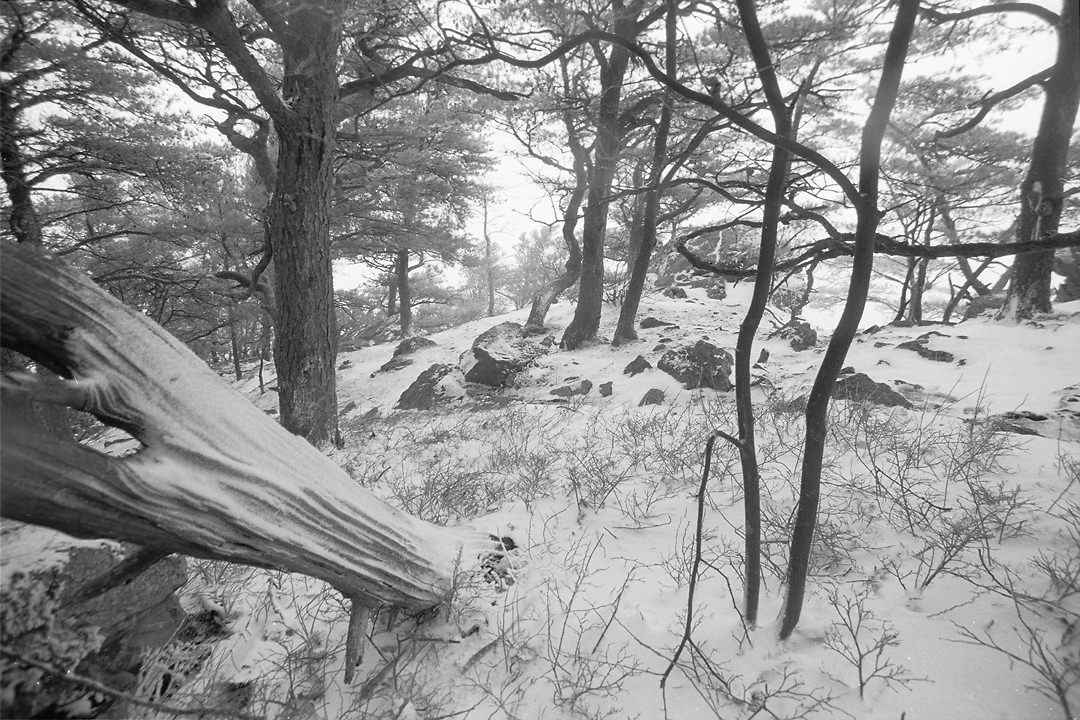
215, 476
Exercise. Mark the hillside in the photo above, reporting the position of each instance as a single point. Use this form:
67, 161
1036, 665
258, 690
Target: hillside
945, 529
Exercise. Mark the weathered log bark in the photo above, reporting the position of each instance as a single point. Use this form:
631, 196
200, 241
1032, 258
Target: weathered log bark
215, 478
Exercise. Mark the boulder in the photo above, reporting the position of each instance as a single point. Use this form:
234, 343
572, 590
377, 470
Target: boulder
425, 391
675, 292
405, 348
579, 388
99, 611
654, 396
861, 388
700, 365
498, 353
637, 365
605, 389
989, 303
919, 346
801, 335
651, 322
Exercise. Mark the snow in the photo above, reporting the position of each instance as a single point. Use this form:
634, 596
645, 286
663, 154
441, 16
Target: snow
599, 495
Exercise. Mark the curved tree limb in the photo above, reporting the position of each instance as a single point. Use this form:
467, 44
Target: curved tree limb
937, 17
987, 103
843, 245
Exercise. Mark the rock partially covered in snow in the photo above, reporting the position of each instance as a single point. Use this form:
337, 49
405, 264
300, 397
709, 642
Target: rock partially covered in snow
801, 335
919, 345
578, 388
861, 388
427, 389
98, 612
654, 396
700, 365
637, 365
498, 353
405, 348
651, 322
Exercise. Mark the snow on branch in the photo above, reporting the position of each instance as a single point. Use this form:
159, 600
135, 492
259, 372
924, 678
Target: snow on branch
215, 476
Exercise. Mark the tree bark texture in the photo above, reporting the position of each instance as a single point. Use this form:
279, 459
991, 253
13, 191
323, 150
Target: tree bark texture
306, 339
586, 321
817, 406
401, 274
215, 476
23, 218
1042, 188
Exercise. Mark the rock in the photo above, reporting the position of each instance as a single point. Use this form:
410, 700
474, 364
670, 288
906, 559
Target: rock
801, 335
637, 365
406, 347
1067, 265
425, 390
919, 346
605, 389
498, 353
861, 388
701, 365
99, 612
651, 322
654, 396
989, 303
717, 289
580, 388
763, 357
675, 292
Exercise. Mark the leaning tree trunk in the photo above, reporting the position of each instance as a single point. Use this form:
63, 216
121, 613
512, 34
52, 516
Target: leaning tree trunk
572, 270
1041, 192
639, 262
586, 321
817, 406
215, 477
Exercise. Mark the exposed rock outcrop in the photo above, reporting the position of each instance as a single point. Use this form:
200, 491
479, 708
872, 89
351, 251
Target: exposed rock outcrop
861, 388
498, 353
426, 390
405, 348
699, 365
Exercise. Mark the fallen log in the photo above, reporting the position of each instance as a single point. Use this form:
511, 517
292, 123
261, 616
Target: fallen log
215, 477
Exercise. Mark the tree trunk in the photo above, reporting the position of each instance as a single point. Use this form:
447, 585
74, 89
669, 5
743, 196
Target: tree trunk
401, 274
215, 476
817, 406
306, 338
23, 219
489, 263
744, 346
1042, 188
572, 270
590, 302
642, 256
234, 344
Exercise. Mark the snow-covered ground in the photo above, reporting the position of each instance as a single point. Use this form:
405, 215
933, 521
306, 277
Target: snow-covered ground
940, 534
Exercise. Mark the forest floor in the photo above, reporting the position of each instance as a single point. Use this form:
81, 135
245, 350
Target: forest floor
945, 578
